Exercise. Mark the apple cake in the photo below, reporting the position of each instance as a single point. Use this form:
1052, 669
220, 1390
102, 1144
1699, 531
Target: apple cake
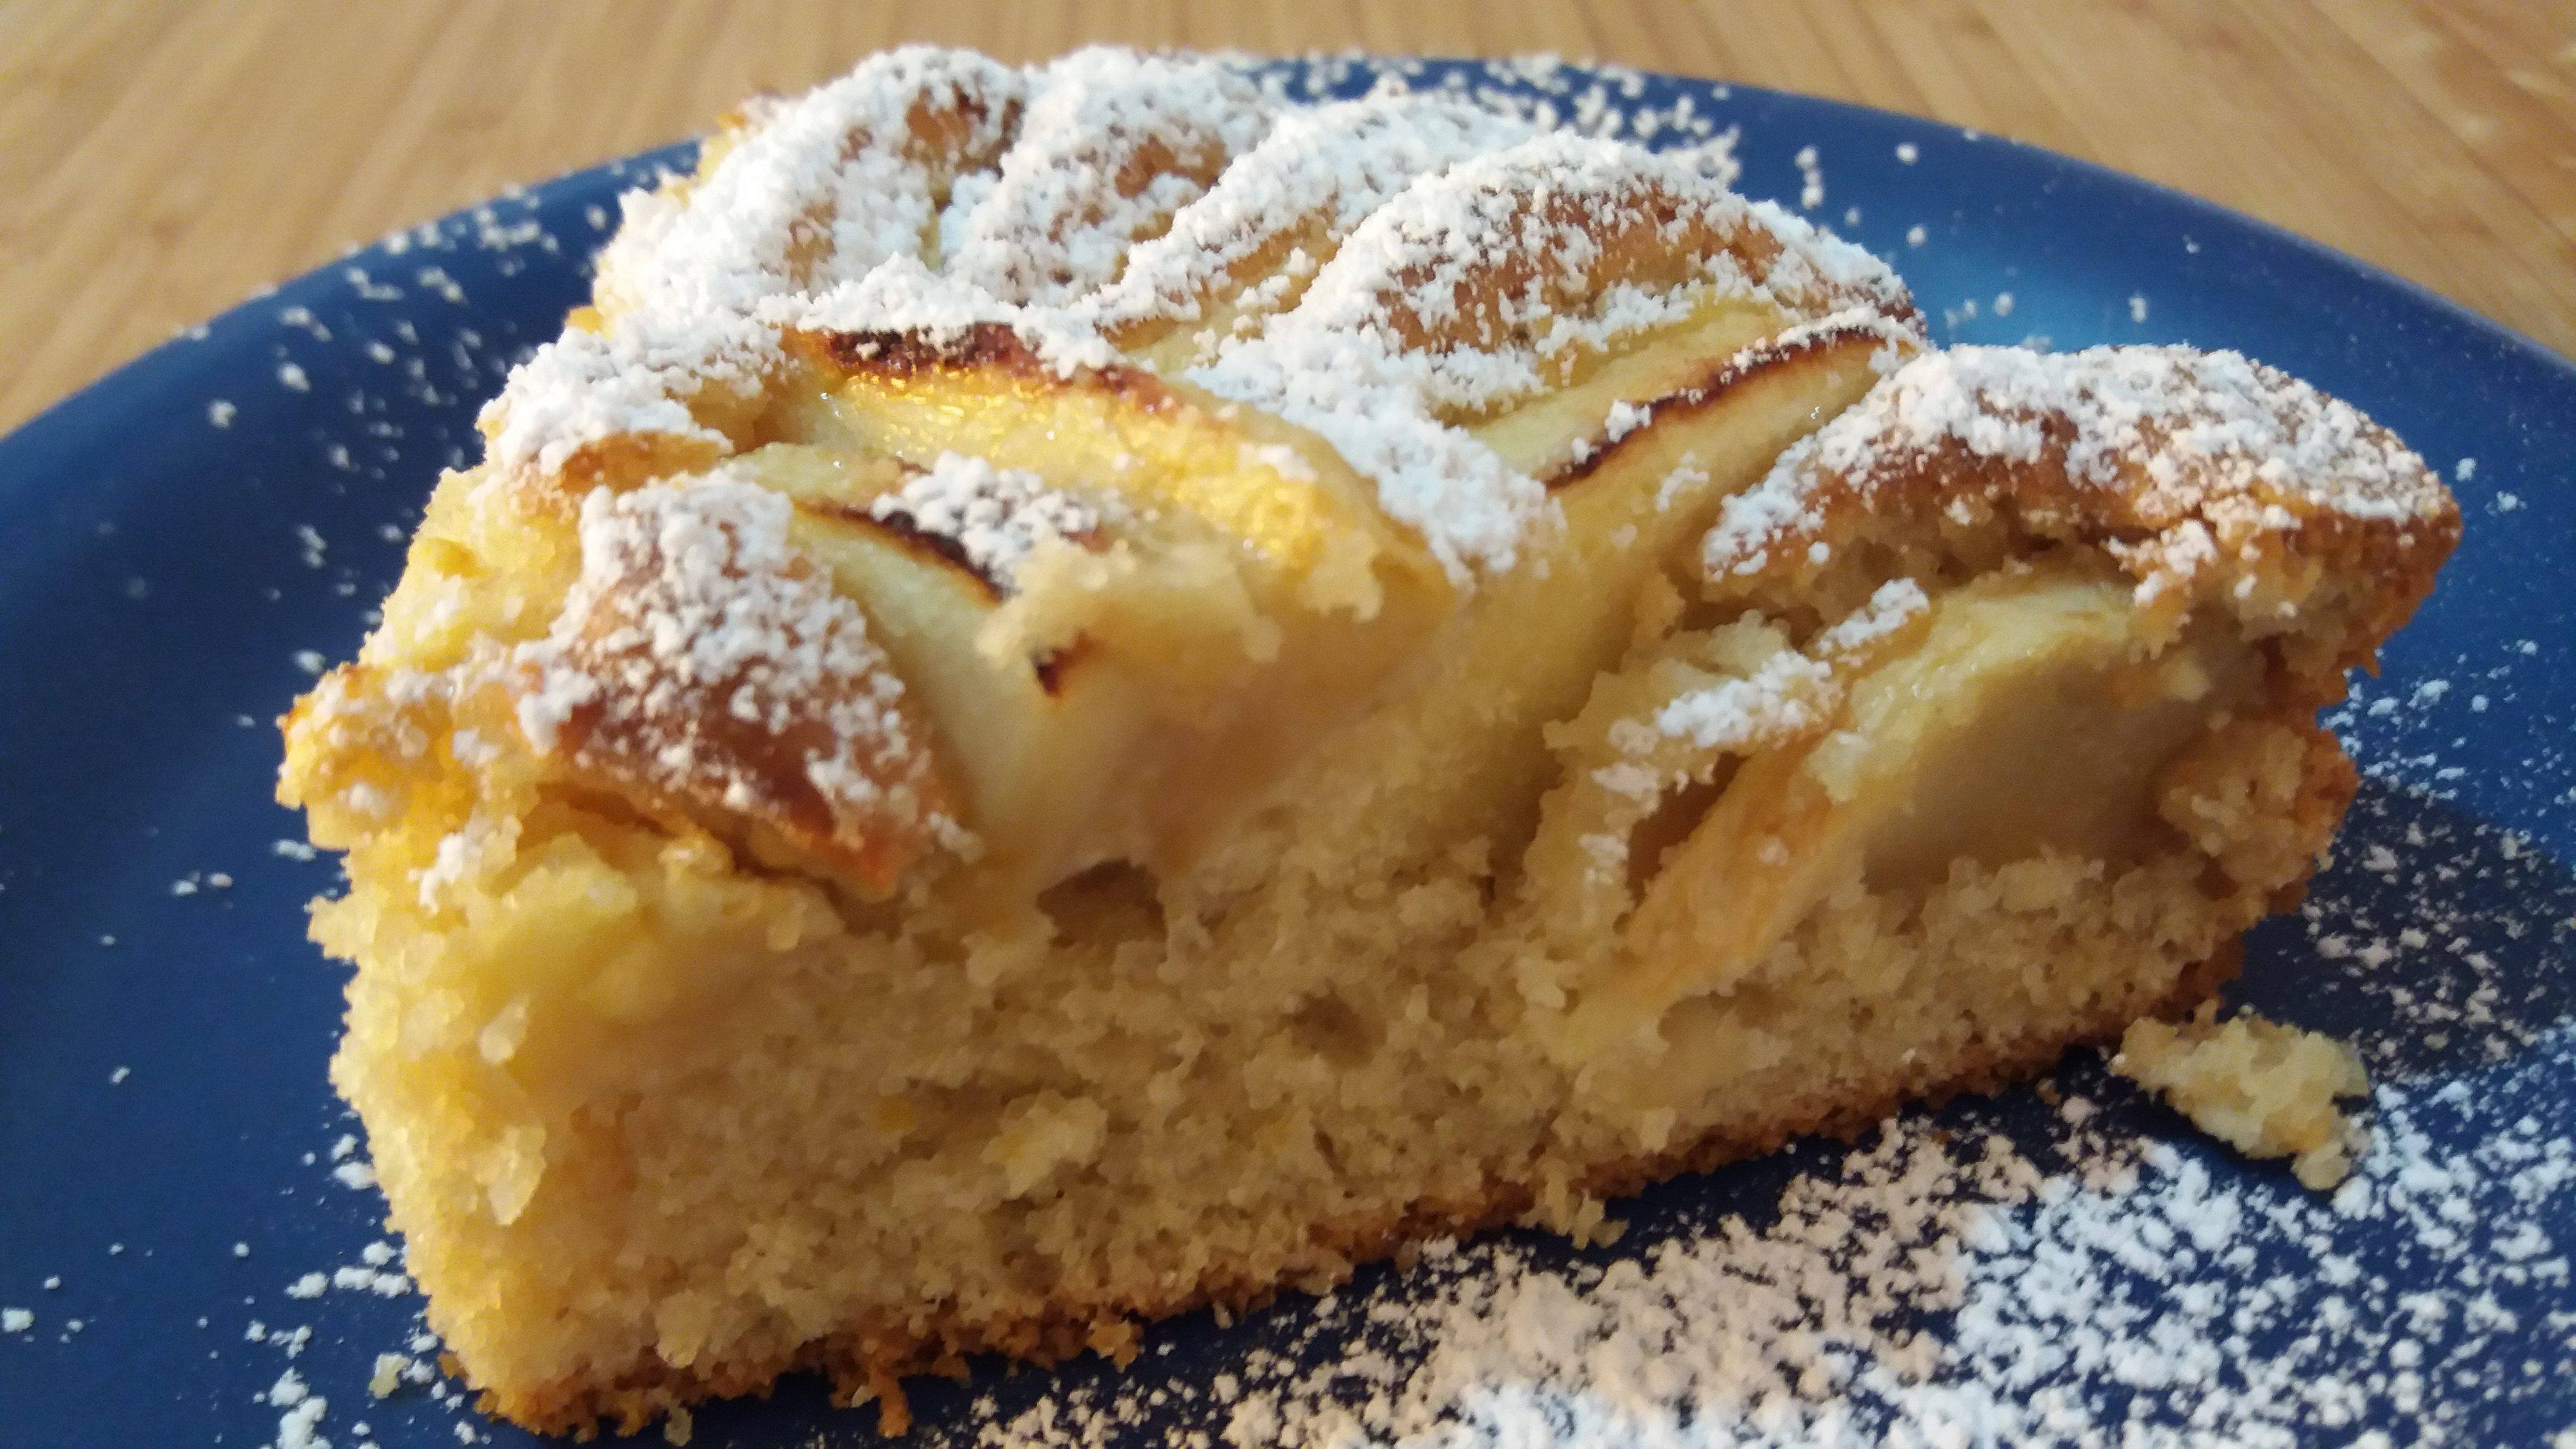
1080, 691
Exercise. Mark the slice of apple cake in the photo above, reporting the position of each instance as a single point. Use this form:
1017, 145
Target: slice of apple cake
1081, 692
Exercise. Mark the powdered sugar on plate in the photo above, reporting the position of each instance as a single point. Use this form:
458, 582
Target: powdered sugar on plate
1972, 1290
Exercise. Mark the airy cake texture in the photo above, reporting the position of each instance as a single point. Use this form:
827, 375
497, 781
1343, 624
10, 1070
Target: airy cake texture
1082, 692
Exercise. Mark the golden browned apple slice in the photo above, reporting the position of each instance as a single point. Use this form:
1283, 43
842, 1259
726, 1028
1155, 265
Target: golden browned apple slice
1215, 586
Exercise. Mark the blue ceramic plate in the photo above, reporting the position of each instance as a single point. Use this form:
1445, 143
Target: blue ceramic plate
182, 545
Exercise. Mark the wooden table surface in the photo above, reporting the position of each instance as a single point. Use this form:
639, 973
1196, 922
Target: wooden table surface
159, 161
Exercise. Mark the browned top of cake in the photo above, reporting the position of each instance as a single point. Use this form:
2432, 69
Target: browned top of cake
1426, 259
2208, 477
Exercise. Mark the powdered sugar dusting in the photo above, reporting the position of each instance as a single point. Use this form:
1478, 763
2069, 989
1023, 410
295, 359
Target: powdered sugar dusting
929, 192
701, 654
1334, 164
904, 298
1792, 693
1898, 337
1114, 143
819, 190
1459, 292
997, 516
2180, 440
635, 380
1366, 398
1456, 271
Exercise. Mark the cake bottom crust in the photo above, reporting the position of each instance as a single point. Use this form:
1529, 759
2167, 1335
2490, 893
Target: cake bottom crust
868, 1362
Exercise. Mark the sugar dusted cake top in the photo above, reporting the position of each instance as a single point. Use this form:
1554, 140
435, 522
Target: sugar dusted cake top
1422, 257
1362, 350
2208, 475
2160, 433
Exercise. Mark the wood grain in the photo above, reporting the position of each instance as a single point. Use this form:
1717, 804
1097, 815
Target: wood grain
159, 162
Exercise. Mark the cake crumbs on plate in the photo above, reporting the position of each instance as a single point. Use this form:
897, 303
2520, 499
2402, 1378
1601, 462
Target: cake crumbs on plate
2265, 1089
